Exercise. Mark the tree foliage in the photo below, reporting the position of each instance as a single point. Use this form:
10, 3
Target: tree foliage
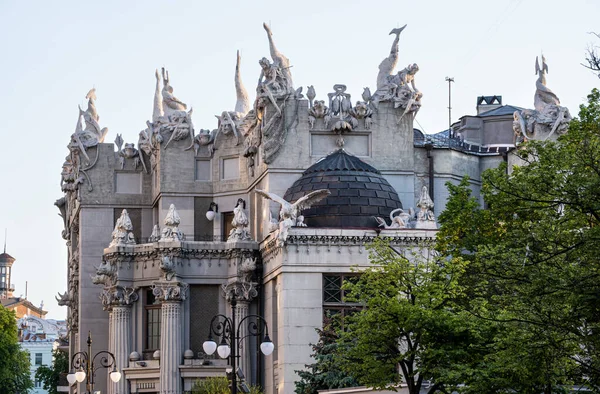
325, 373
14, 362
408, 331
533, 262
50, 375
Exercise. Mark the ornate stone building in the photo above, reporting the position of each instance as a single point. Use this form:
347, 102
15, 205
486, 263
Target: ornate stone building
272, 208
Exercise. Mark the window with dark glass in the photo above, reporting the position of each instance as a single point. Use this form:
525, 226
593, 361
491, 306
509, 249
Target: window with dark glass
38, 359
335, 303
152, 320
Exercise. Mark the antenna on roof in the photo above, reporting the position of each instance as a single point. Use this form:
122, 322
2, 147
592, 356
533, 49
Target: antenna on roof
450, 80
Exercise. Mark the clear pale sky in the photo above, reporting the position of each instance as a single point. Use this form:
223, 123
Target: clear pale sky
52, 53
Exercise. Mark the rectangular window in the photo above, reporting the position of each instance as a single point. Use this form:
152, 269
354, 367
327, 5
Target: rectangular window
334, 297
38, 359
128, 183
152, 307
203, 170
38, 384
230, 168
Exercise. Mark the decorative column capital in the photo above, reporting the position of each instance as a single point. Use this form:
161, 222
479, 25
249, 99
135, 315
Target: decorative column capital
170, 291
118, 296
242, 290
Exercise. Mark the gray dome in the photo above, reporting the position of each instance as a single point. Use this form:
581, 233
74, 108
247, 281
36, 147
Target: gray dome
358, 193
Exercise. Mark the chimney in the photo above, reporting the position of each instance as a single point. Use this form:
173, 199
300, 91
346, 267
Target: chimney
488, 103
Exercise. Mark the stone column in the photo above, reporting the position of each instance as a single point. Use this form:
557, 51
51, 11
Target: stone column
118, 301
241, 312
171, 294
121, 340
111, 346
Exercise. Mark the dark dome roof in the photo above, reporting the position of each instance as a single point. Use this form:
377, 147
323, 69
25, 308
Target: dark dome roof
358, 192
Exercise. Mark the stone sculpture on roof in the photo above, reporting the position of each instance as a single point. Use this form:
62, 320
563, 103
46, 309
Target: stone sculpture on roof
267, 129
123, 232
549, 119
229, 121
401, 220
425, 215
399, 88
170, 113
171, 231
240, 223
289, 214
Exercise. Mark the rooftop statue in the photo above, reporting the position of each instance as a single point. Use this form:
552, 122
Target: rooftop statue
289, 214
171, 230
240, 222
399, 88
123, 232
169, 114
229, 121
401, 220
268, 130
548, 119
92, 134
425, 215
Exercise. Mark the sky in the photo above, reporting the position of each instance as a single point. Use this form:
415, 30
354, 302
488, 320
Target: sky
52, 53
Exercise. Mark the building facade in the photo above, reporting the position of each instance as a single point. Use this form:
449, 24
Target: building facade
271, 209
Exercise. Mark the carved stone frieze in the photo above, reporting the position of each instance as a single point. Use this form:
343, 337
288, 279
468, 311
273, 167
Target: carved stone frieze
118, 296
170, 291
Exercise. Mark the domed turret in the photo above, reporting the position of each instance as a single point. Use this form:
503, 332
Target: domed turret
358, 192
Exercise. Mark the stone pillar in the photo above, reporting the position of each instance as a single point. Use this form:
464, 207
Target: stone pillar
241, 312
171, 294
118, 301
121, 340
111, 347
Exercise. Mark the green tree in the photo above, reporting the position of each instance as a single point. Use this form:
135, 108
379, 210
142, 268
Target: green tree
50, 375
408, 331
325, 373
14, 362
533, 262
218, 385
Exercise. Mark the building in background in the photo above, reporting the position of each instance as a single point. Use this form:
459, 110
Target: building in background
40, 337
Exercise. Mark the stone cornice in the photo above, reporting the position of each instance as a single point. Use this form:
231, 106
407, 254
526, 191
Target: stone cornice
269, 248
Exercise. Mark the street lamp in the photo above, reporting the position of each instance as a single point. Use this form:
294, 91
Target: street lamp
84, 368
225, 327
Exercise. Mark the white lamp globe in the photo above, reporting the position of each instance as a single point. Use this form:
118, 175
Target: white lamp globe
209, 346
267, 346
210, 215
224, 350
71, 378
115, 375
80, 375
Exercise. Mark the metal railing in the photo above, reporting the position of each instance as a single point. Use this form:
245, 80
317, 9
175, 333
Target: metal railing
439, 141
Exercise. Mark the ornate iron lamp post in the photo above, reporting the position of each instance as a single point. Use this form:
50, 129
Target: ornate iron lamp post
225, 327
84, 366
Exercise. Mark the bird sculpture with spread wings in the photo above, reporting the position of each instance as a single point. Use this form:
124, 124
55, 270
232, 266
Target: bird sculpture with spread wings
290, 212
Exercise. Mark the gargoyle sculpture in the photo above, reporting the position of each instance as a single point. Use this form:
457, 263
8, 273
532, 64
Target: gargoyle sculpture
290, 212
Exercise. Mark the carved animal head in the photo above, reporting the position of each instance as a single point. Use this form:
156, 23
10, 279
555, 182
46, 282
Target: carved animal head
319, 109
129, 151
361, 110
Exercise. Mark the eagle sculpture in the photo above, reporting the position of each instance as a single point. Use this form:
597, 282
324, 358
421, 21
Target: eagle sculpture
289, 214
